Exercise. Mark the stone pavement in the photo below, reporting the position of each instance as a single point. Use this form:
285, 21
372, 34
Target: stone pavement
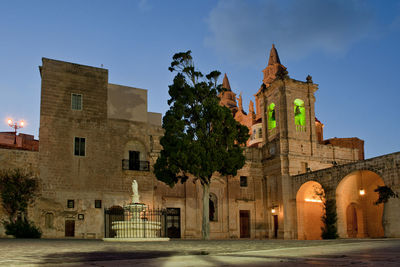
71, 252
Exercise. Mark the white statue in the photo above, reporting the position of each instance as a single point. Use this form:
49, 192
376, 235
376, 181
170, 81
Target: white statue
135, 192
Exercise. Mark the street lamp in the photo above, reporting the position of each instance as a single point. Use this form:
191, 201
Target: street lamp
361, 191
15, 125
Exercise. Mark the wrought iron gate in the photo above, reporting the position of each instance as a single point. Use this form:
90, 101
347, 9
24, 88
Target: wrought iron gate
125, 223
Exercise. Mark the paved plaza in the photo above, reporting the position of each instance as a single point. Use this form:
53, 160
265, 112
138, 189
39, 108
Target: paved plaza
371, 252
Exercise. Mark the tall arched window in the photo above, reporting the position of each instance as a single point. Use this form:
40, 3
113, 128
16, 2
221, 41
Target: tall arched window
299, 115
271, 116
213, 208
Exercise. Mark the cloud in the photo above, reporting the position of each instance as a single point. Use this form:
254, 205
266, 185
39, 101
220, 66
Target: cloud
244, 30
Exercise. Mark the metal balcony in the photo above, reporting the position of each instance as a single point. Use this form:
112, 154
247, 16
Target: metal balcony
135, 165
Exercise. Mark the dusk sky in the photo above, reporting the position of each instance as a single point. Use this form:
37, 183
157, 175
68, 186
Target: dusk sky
350, 48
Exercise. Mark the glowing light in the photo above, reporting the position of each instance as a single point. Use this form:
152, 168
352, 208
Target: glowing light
9, 121
273, 210
313, 200
21, 123
362, 192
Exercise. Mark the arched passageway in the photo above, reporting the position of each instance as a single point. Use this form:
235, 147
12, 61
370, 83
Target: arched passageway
357, 214
309, 211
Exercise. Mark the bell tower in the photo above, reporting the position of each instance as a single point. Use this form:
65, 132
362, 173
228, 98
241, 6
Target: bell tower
288, 111
289, 138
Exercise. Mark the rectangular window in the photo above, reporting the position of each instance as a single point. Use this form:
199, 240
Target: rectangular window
134, 160
243, 181
76, 102
70, 203
79, 146
97, 204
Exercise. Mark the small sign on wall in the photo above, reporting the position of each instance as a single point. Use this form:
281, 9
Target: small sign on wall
81, 217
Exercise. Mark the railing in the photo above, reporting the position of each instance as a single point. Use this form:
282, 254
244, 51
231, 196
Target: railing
300, 128
140, 223
135, 165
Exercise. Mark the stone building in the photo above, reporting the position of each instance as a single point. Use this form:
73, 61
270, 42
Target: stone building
96, 137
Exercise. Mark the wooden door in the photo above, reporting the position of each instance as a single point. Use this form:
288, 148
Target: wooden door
70, 228
275, 226
174, 222
352, 224
113, 214
244, 223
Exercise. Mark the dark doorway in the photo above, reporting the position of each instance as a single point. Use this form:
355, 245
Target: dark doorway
174, 222
275, 226
70, 228
134, 161
352, 225
113, 214
244, 223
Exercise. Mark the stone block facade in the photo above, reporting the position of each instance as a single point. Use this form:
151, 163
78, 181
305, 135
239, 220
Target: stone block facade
92, 133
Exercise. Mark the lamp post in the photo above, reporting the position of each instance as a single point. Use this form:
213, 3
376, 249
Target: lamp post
15, 125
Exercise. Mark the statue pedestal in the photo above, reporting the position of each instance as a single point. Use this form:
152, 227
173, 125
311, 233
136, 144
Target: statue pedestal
134, 225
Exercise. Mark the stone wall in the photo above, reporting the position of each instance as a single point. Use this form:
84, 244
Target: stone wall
98, 175
17, 158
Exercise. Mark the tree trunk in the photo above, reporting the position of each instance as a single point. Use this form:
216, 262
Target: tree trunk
205, 230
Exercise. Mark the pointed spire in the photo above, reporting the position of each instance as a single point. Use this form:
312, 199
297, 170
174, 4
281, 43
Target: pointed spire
274, 68
273, 56
227, 97
225, 83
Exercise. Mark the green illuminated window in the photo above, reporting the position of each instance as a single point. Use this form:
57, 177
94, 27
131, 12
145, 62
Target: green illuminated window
271, 116
299, 115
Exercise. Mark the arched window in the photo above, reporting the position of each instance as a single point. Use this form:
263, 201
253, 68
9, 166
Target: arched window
271, 116
299, 115
213, 208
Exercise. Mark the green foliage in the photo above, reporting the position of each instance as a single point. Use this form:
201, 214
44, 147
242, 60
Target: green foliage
299, 112
22, 229
385, 193
271, 116
201, 137
329, 219
17, 190
329, 230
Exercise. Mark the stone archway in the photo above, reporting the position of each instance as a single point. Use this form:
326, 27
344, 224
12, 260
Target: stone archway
309, 211
357, 214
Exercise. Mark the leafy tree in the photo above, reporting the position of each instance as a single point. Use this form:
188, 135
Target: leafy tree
201, 137
385, 193
22, 228
17, 190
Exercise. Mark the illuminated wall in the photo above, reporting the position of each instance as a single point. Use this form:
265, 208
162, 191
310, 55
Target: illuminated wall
299, 114
271, 116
